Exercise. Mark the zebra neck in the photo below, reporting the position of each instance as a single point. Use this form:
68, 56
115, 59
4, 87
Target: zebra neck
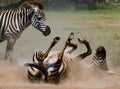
24, 13
99, 60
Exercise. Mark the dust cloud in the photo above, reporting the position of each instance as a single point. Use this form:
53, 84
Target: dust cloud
12, 74
80, 75
90, 76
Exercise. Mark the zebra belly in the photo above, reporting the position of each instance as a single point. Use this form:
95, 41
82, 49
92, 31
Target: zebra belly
62, 70
57, 72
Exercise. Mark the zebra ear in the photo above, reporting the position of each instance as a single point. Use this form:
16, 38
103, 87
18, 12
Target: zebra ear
36, 3
35, 8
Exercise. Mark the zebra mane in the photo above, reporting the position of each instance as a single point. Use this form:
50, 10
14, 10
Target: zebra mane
34, 3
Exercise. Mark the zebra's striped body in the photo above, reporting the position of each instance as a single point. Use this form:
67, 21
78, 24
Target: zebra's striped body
51, 67
13, 23
55, 65
55, 69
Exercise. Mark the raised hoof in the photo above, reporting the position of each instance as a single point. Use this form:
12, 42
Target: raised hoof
82, 40
56, 39
71, 36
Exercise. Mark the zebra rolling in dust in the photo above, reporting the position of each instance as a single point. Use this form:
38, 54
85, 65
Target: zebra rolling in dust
13, 23
51, 68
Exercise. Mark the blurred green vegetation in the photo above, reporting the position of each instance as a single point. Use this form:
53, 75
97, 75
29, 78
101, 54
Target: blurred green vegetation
66, 4
10, 4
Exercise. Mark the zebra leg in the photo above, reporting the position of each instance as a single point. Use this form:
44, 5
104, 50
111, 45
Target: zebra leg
70, 44
70, 50
9, 49
55, 40
55, 73
37, 56
89, 50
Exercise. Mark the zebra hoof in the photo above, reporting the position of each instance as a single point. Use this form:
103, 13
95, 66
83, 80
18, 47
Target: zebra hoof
81, 40
71, 36
56, 39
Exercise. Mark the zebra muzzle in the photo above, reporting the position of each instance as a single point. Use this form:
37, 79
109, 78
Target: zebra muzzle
47, 31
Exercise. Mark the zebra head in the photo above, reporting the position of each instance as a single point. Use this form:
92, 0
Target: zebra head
100, 55
37, 18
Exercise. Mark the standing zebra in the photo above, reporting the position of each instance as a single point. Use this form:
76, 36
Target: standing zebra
13, 23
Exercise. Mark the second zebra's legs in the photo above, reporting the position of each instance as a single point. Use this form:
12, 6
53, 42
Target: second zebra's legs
60, 58
40, 55
72, 48
70, 44
55, 40
89, 50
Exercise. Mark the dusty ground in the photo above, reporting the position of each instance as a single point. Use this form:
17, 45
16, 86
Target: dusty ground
80, 77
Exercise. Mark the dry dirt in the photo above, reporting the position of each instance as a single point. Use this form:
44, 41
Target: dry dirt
80, 77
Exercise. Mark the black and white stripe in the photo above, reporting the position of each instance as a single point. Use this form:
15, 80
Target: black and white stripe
49, 67
13, 23
99, 58
52, 65
55, 66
